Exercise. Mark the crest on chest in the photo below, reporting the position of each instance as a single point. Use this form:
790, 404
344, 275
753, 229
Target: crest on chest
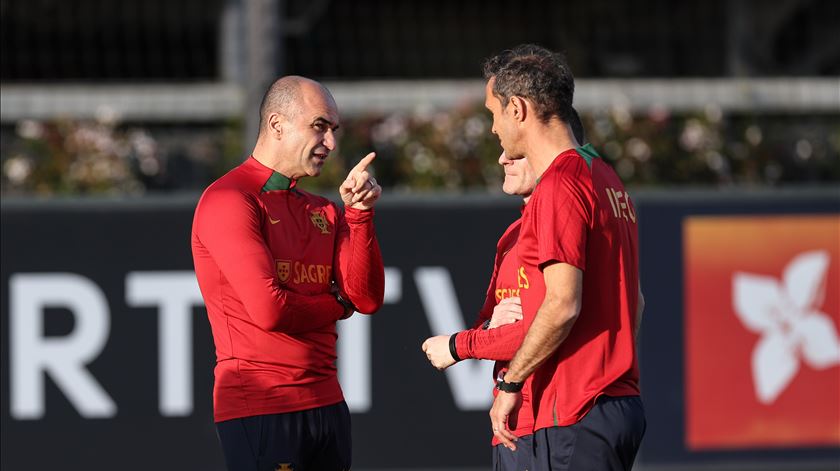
284, 268
320, 221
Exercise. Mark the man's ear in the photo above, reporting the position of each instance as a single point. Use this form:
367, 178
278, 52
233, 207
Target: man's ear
519, 108
275, 125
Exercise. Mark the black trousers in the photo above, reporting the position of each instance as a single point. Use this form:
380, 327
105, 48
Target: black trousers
313, 439
520, 459
606, 439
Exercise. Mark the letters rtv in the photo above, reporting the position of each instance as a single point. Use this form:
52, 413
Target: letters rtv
33, 356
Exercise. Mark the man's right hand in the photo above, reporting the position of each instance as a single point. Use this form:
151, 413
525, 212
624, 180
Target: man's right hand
360, 190
437, 351
508, 311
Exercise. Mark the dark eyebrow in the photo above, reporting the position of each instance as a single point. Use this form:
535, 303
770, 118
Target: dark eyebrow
322, 120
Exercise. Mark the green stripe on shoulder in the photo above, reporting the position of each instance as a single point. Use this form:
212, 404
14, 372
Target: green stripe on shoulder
588, 153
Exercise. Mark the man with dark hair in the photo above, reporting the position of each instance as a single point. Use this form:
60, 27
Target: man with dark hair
499, 329
578, 249
277, 268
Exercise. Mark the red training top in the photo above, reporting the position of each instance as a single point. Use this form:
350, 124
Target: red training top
265, 255
501, 343
580, 214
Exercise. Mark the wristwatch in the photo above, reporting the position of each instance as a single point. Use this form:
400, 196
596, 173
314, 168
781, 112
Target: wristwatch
347, 304
505, 386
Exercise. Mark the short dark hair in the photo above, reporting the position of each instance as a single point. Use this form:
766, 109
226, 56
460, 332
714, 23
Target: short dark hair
535, 73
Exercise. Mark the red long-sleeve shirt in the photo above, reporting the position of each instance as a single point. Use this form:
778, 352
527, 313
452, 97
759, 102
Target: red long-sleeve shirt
265, 256
501, 343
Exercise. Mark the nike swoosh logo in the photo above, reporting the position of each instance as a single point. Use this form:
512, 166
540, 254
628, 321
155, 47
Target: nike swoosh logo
273, 221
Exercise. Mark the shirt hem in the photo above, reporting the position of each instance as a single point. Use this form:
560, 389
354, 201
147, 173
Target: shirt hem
278, 409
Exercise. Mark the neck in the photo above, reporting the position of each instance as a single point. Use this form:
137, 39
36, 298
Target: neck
547, 142
267, 154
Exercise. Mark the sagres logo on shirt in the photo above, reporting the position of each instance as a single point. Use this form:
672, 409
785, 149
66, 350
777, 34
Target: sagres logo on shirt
762, 355
320, 221
298, 272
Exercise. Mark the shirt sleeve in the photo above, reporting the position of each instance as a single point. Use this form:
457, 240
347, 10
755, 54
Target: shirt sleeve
228, 225
498, 344
563, 214
359, 272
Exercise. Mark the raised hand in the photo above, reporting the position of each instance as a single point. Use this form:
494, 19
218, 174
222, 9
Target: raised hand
360, 190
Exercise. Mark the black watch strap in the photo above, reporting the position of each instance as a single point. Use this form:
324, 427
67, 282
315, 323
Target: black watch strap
503, 385
347, 304
453, 347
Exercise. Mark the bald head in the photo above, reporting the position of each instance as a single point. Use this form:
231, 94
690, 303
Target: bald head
286, 96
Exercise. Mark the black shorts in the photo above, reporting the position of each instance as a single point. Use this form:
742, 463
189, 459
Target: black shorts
520, 459
606, 439
313, 439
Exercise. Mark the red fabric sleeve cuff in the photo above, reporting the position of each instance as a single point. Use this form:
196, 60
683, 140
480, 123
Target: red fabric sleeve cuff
462, 345
358, 216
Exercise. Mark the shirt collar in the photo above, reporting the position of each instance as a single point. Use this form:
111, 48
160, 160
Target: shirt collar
278, 181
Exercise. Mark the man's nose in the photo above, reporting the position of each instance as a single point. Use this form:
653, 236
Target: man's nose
329, 140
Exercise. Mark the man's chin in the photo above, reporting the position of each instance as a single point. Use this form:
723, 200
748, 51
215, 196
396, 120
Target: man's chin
314, 170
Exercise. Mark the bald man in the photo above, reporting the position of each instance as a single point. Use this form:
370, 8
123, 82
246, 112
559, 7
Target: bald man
278, 267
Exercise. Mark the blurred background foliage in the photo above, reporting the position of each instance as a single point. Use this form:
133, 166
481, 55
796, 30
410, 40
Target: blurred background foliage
451, 150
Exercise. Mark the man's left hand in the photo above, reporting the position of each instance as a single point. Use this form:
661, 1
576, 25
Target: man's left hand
360, 190
503, 405
437, 351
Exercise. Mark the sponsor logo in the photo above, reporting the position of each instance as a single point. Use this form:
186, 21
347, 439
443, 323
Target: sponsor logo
272, 220
503, 293
521, 283
298, 273
522, 278
319, 221
284, 268
311, 273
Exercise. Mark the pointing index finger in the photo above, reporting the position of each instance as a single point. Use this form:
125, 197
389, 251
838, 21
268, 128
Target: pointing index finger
362, 165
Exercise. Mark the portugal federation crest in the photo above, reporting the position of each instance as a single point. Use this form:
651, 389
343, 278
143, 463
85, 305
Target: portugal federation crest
319, 221
284, 268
